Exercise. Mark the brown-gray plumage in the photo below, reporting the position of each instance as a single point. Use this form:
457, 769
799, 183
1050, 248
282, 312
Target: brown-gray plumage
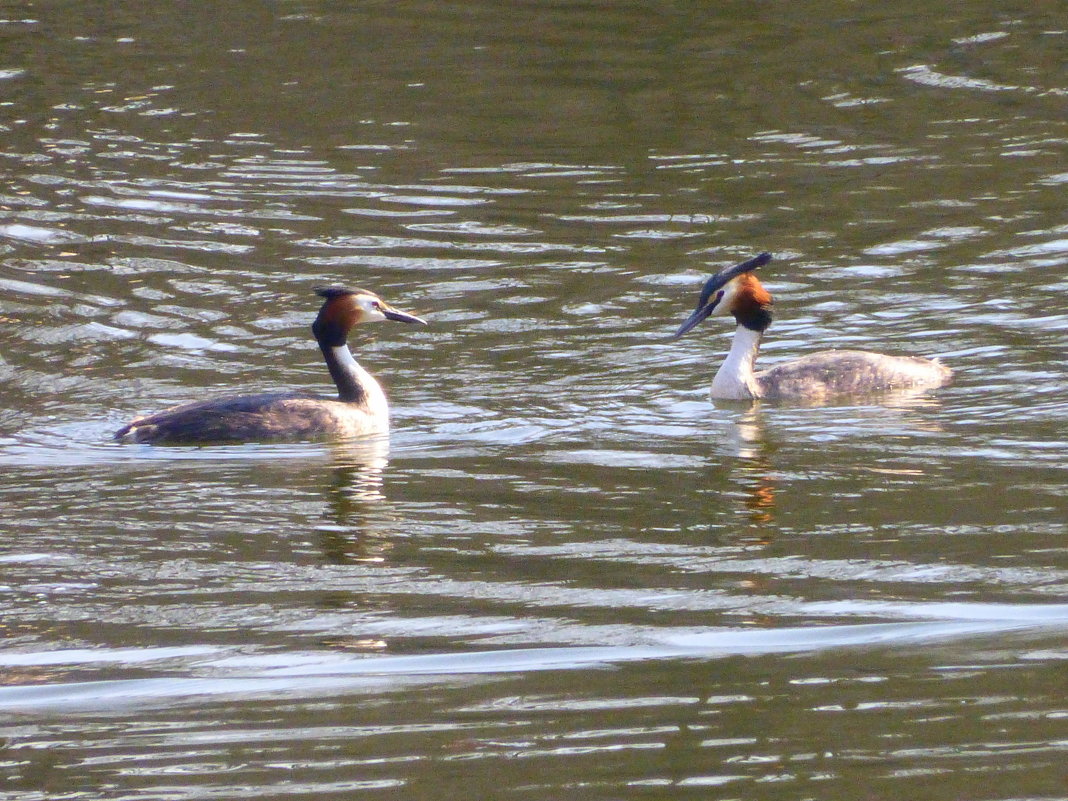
360, 407
830, 373
270, 416
816, 378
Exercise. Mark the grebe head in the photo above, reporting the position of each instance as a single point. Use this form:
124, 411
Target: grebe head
345, 308
734, 290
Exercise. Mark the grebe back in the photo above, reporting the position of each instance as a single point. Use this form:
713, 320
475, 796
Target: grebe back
360, 407
814, 378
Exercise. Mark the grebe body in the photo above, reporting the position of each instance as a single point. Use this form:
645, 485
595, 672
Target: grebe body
815, 378
360, 406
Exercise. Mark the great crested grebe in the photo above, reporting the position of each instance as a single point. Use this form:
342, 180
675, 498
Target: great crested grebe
360, 407
813, 378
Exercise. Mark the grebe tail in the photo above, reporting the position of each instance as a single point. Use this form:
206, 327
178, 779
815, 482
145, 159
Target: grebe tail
815, 378
360, 406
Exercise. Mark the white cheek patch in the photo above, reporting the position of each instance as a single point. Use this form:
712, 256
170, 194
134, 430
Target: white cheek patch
726, 300
371, 312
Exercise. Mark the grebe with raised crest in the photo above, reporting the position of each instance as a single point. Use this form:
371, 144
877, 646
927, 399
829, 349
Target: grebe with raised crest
814, 378
360, 407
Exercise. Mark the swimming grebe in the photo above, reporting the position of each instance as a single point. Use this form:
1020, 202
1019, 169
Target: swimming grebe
812, 378
360, 407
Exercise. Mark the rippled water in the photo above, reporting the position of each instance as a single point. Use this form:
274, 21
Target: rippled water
566, 573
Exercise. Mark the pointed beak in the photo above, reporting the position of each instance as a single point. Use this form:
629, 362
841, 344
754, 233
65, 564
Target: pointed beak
699, 314
713, 290
401, 317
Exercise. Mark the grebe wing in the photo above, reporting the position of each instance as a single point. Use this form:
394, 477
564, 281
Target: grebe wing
270, 416
850, 372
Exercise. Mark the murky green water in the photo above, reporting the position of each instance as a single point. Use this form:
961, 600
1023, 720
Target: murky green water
567, 574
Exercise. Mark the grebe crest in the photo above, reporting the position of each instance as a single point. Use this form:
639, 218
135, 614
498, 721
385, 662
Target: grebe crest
818, 377
360, 407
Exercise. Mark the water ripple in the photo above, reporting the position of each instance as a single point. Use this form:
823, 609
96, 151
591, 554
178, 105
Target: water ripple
316, 675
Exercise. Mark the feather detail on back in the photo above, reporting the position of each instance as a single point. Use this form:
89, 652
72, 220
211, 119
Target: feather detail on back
832, 373
267, 417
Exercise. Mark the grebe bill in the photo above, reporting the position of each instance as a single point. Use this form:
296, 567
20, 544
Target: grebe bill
814, 378
360, 407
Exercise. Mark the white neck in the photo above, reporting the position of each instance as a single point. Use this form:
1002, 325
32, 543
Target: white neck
735, 379
375, 398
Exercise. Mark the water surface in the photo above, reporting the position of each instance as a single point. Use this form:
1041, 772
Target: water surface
567, 572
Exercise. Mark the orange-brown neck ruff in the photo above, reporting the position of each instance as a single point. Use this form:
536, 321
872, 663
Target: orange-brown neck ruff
751, 305
337, 316
342, 312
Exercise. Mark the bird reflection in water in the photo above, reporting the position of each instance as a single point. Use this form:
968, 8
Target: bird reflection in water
753, 471
359, 522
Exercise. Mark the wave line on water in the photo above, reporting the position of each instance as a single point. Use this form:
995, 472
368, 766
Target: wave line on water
292, 675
